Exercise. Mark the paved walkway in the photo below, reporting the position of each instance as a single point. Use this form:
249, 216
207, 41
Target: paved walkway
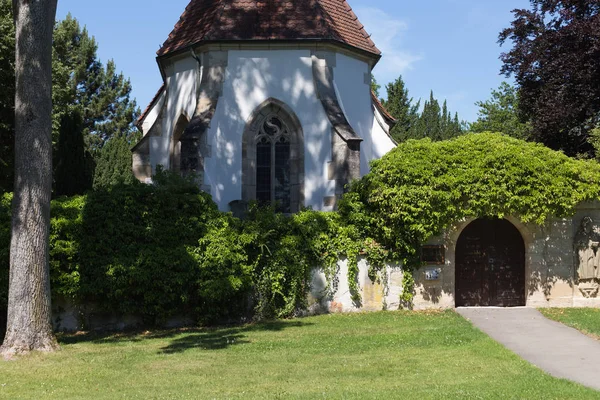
561, 351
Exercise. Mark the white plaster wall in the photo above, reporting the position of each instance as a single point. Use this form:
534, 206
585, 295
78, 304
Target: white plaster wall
352, 83
153, 113
181, 100
381, 141
251, 78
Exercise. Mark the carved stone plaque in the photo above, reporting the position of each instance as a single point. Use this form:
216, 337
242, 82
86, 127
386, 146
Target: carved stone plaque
586, 244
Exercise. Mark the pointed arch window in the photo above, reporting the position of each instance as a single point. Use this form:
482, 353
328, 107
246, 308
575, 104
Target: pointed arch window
273, 157
273, 164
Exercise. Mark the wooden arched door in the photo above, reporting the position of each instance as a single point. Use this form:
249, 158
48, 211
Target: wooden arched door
490, 265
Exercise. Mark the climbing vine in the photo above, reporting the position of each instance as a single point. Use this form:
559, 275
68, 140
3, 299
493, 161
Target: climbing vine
165, 248
422, 187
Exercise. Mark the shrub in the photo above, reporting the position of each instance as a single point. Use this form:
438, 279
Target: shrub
421, 187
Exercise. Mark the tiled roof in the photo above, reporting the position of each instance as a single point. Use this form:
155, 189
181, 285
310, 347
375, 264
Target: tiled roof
264, 20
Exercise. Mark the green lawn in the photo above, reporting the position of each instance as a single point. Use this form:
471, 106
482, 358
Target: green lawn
586, 320
389, 355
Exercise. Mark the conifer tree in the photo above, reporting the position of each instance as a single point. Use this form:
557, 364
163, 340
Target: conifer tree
114, 163
400, 106
78, 78
72, 174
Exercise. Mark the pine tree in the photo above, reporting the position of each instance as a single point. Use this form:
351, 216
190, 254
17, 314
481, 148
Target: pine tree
78, 78
400, 106
436, 123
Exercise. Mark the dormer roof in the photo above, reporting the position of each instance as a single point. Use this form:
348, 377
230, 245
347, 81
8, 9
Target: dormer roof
209, 21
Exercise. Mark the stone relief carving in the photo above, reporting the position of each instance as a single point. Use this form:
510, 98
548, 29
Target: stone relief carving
587, 243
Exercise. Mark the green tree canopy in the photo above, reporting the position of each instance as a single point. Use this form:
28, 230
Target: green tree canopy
501, 114
554, 59
78, 79
401, 107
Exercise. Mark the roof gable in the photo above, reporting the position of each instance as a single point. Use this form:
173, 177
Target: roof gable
268, 20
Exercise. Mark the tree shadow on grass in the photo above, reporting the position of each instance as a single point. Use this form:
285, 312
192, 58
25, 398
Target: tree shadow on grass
184, 339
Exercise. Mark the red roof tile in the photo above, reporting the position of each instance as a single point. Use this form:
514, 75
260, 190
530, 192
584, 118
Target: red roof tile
262, 20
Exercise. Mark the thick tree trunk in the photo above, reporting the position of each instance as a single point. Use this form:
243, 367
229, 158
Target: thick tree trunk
29, 311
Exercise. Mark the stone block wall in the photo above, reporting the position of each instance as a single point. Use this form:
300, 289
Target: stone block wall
551, 280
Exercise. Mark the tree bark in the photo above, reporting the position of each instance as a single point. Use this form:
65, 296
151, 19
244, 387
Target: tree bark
29, 324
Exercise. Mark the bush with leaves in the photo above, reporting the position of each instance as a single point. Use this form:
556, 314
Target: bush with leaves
421, 187
134, 247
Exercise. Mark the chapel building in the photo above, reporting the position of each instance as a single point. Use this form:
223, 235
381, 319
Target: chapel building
266, 100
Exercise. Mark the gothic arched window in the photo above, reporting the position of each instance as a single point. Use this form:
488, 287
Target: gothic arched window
273, 158
273, 164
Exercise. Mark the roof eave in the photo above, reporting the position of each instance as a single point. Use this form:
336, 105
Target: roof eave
368, 54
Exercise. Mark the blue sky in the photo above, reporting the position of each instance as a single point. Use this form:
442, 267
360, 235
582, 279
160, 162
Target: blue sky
448, 46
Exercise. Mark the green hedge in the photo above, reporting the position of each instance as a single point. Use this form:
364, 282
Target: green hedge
422, 187
164, 249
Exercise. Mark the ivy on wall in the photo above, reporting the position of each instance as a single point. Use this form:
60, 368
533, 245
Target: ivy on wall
165, 249
422, 187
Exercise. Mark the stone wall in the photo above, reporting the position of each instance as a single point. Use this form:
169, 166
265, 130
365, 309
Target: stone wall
551, 278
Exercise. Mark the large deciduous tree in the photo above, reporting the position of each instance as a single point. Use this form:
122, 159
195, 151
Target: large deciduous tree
555, 60
501, 113
29, 312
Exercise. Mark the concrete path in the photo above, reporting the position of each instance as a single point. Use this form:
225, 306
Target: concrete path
561, 351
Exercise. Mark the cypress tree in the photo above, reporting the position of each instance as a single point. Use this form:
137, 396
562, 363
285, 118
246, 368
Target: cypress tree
72, 174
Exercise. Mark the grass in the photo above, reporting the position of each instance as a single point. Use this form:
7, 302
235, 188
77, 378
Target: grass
389, 355
587, 320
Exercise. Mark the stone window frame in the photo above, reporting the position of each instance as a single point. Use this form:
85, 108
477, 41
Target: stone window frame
255, 120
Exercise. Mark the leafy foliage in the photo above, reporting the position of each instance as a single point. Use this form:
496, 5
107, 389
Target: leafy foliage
421, 187
375, 86
501, 114
7, 95
74, 164
165, 249
554, 60
113, 165
79, 80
